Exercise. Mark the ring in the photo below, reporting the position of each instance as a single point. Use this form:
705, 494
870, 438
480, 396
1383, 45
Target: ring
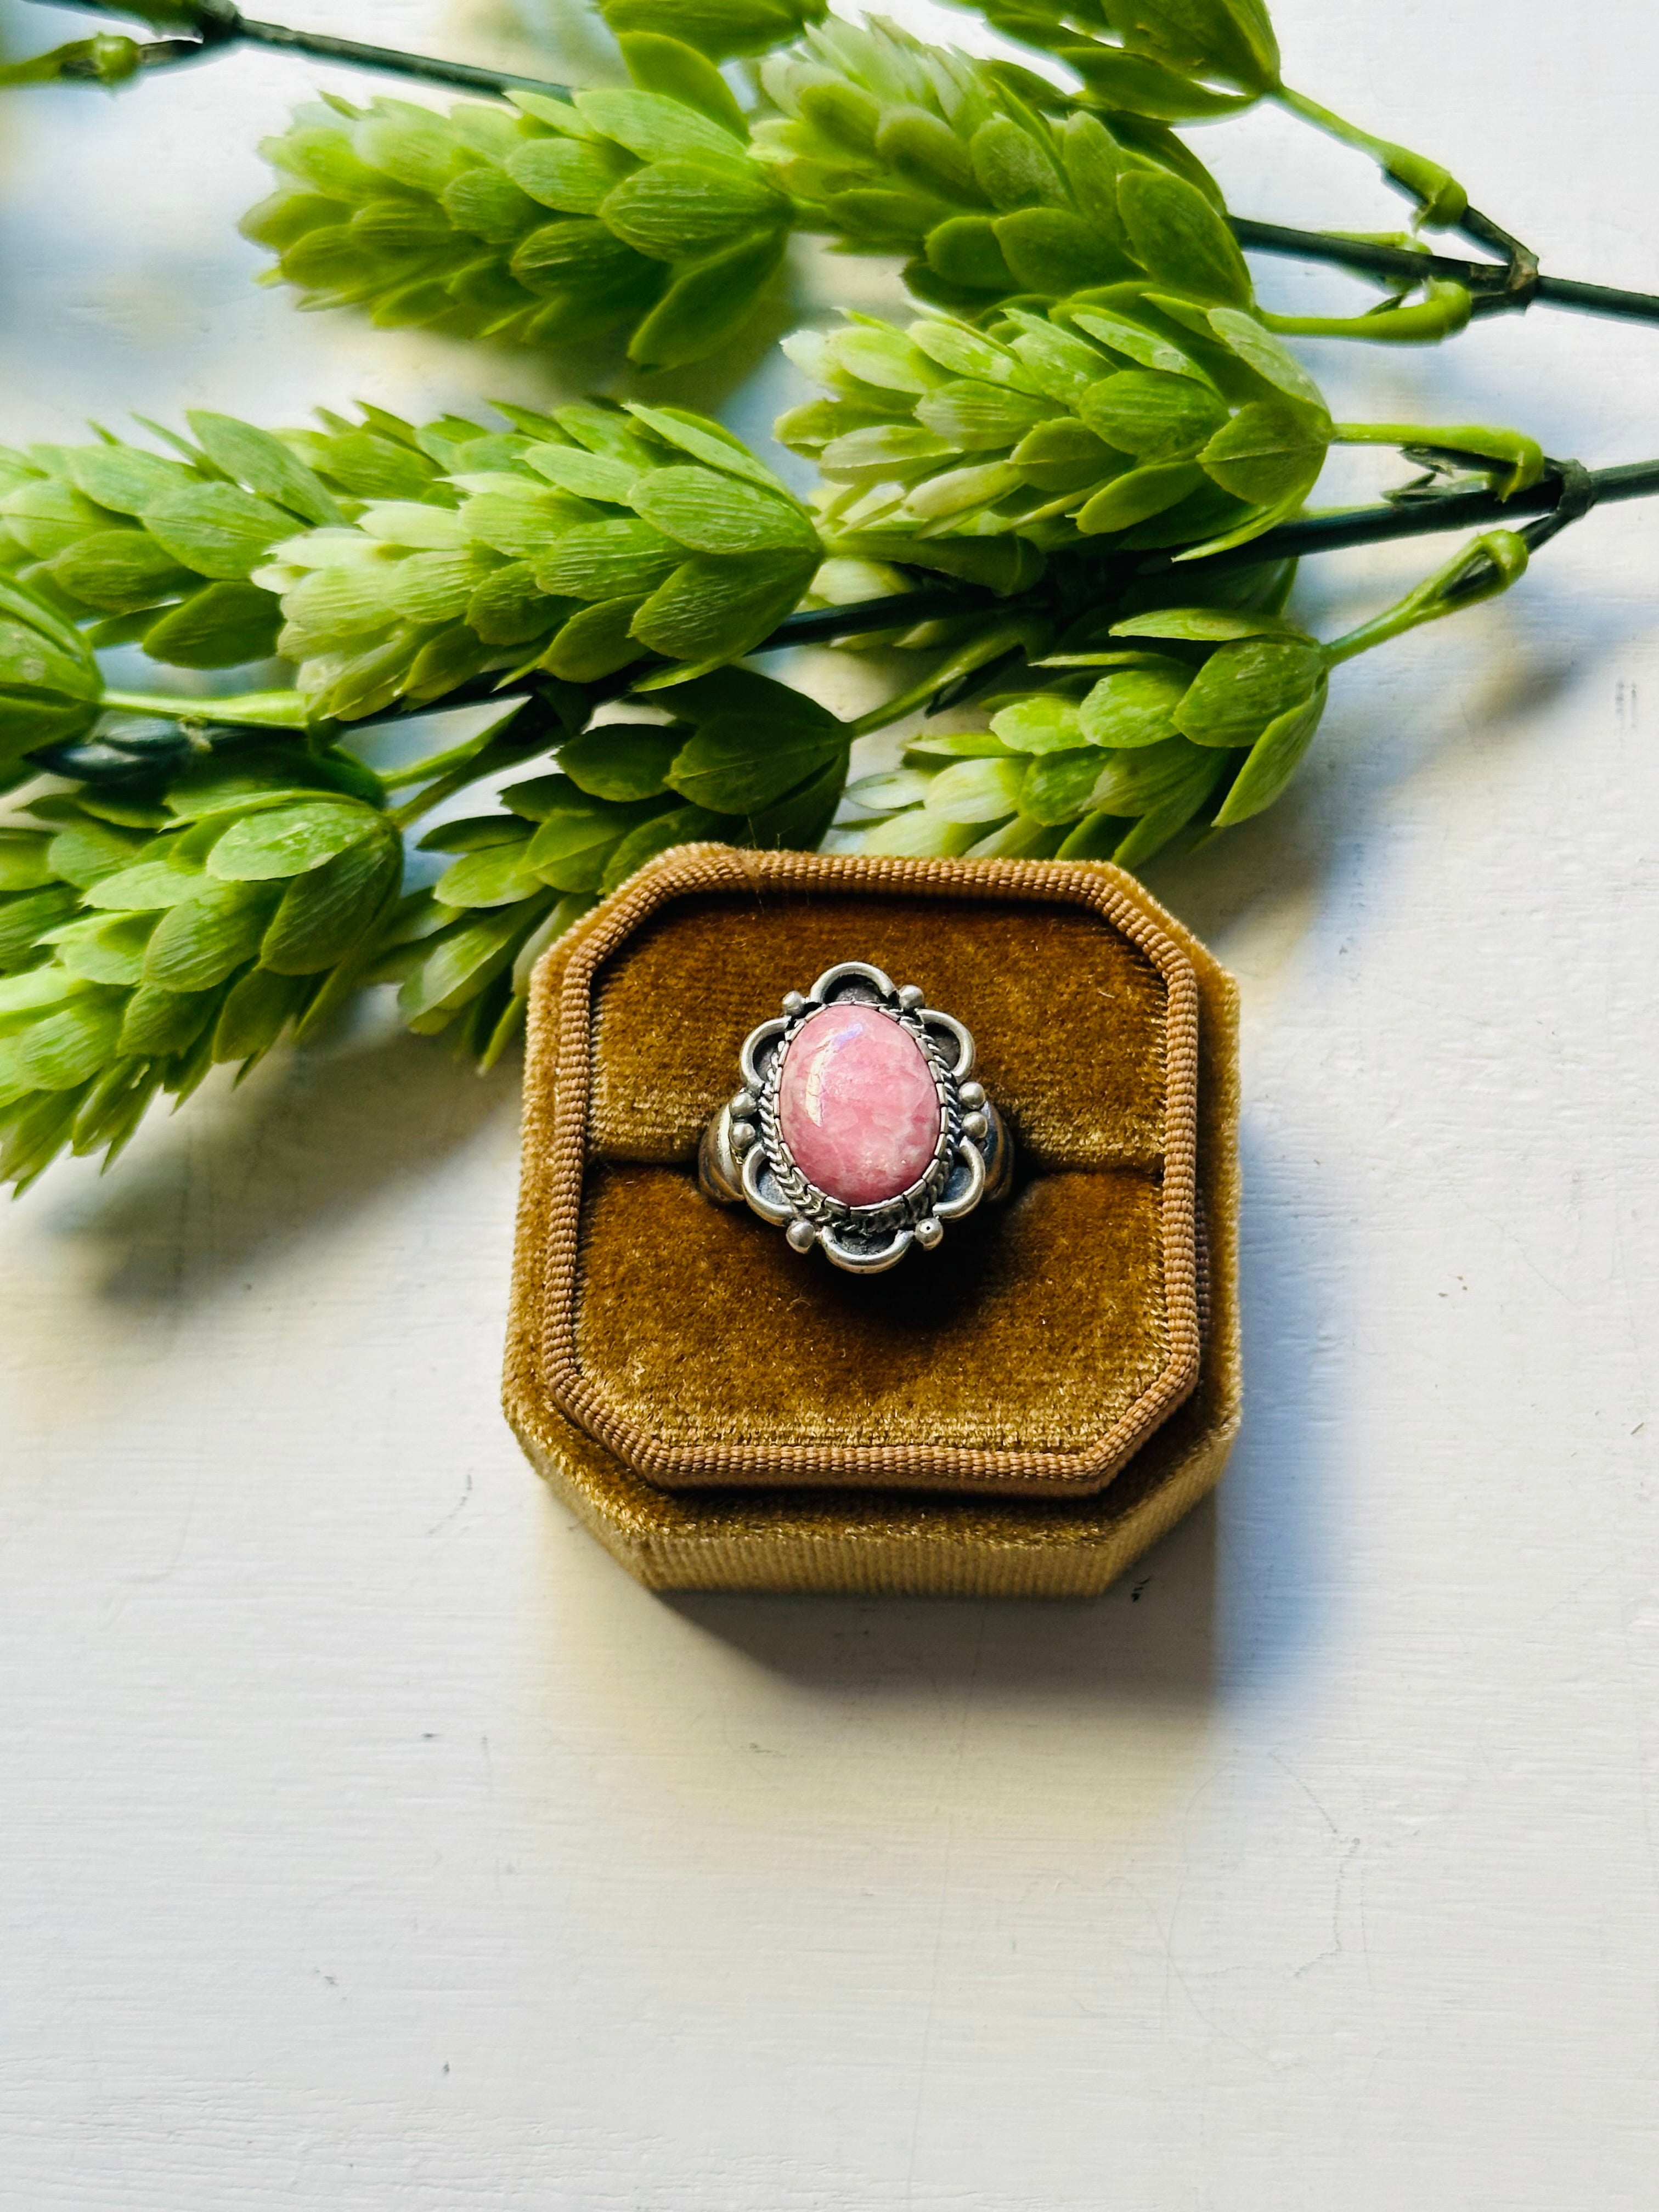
858, 1128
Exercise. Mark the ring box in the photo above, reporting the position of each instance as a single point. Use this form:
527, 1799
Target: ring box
1021, 1412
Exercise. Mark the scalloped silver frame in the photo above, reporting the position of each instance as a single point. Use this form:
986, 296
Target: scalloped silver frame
745, 1159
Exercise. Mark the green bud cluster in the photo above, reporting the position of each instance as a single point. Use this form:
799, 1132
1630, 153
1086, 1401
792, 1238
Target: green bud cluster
1133, 416
897, 147
157, 550
636, 210
578, 543
49, 683
1207, 722
142, 941
744, 762
1154, 57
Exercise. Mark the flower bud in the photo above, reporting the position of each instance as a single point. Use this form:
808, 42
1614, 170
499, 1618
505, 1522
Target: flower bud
719, 28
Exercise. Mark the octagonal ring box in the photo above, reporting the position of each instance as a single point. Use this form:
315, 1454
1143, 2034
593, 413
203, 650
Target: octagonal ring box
1022, 1411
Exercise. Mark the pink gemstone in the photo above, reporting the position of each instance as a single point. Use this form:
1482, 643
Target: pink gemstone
856, 1104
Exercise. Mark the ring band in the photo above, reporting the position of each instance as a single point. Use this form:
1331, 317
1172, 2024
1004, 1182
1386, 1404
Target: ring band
858, 1127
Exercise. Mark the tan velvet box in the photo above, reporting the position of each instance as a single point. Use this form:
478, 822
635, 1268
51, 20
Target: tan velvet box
1022, 1411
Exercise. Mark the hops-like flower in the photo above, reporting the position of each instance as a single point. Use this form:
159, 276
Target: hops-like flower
638, 209
579, 543
144, 942
897, 147
50, 683
1209, 721
1132, 417
161, 547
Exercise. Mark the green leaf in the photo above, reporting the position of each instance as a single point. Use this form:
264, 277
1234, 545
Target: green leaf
1134, 706
736, 763
125, 478
119, 570
509, 607
579, 253
286, 840
460, 966
498, 876
683, 825
1206, 625
712, 512
1013, 169
563, 174
569, 850
1140, 85
1267, 454
1064, 456
621, 760
675, 210
1136, 782
679, 72
1273, 761
1179, 237
589, 476
255, 1012
106, 949
62, 1050
1133, 497
29, 661
1259, 350
151, 886
919, 834
1137, 344
656, 128
595, 642
85, 852
220, 626
263, 464
23, 997
1243, 686
217, 529
1058, 785
708, 303
607, 560
977, 790
325, 913
24, 920
976, 417
24, 865
1157, 418
160, 1023
706, 441
1061, 364
719, 607
1049, 250
1043, 723
198, 942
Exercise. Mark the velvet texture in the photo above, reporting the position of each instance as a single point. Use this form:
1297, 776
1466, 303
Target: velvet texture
1033, 1324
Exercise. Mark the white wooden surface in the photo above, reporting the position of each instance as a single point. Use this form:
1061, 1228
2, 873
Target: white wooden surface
368, 1842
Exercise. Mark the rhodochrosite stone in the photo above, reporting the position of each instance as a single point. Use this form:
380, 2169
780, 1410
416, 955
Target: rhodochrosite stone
857, 1106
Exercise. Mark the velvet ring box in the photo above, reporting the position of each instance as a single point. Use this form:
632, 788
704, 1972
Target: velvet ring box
1021, 1412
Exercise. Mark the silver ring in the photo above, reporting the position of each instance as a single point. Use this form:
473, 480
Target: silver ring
858, 1128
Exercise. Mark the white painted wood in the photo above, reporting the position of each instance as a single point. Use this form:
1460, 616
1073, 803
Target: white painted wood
369, 1843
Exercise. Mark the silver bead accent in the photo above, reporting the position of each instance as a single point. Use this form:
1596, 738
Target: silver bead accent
744, 1135
929, 1233
793, 1003
802, 1236
972, 1096
910, 996
745, 1105
975, 1126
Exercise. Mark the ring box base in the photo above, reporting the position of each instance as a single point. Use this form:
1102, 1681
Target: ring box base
889, 1541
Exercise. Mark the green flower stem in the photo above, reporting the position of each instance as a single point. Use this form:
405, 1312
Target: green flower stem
267, 710
1442, 200
1478, 571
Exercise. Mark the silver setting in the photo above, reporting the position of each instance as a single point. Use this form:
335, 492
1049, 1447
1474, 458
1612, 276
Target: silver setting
744, 1159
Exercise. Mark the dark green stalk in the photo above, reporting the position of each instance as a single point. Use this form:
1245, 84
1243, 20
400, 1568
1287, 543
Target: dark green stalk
1491, 283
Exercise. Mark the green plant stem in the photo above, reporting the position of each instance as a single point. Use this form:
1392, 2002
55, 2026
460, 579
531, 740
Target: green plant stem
1441, 198
269, 710
1478, 571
